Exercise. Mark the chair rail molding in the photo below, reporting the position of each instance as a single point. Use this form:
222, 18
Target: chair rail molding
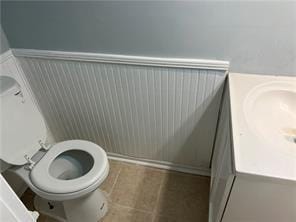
124, 59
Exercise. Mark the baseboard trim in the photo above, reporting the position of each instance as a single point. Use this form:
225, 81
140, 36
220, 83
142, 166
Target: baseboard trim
160, 164
124, 59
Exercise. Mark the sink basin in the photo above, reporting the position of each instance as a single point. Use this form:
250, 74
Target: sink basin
270, 112
263, 119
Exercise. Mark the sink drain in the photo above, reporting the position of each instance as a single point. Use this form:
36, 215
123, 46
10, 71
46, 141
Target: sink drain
291, 139
290, 134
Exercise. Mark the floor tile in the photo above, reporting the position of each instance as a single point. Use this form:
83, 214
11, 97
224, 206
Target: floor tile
123, 214
43, 218
137, 187
138, 193
164, 219
108, 184
28, 200
184, 197
177, 181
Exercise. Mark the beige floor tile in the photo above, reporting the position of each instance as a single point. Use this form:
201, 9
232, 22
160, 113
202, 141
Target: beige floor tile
182, 181
164, 219
28, 200
123, 214
137, 191
184, 197
115, 167
137, 187
43, 218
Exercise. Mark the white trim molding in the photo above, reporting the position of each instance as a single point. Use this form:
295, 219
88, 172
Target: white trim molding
123, 59
160, 164
5, 56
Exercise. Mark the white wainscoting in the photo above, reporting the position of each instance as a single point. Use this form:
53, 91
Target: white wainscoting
142, 109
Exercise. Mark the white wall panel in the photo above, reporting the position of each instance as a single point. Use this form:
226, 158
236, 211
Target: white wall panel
151, 112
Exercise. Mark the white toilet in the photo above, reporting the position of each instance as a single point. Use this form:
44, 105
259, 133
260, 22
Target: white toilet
65, 176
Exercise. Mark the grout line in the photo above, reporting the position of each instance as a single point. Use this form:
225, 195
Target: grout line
132, 208
154, 212
115, 181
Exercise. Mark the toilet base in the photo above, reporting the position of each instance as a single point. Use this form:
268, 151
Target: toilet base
89, 208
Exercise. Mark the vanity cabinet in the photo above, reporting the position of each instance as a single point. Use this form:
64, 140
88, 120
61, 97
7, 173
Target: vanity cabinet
222, 169
244, 197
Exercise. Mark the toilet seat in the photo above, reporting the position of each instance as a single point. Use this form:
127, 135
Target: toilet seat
41, 178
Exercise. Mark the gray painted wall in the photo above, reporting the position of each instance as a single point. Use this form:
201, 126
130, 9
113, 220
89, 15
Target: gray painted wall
257, 37
4, 46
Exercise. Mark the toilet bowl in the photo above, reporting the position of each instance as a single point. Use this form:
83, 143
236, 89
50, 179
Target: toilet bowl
69, 169
65, 176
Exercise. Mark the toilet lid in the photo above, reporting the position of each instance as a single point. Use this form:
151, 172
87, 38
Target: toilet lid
22, 127
43, 180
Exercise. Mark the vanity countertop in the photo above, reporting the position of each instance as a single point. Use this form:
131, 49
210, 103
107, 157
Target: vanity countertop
263, 116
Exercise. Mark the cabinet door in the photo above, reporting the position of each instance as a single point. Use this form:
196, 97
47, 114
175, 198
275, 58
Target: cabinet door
222, 175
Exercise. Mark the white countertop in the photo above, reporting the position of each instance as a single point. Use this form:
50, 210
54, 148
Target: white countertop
254, 154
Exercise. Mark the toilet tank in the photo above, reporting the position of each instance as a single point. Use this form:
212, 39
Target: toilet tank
22, 125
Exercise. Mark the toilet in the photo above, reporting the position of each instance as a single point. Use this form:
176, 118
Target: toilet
65, 176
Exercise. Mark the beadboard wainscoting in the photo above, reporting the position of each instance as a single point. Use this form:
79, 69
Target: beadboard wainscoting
162, 111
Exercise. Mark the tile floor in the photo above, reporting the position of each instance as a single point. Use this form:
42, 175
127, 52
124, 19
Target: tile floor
144, 194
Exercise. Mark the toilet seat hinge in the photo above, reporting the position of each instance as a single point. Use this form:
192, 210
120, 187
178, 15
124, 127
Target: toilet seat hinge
44, 145
30, 163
